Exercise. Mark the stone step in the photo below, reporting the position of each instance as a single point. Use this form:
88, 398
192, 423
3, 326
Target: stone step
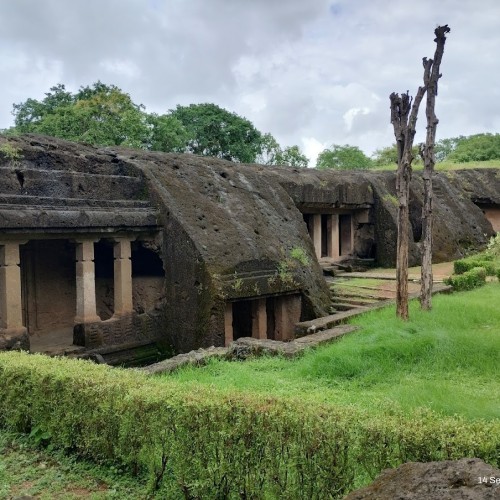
325, 322
346, 306
356, 300
354, 295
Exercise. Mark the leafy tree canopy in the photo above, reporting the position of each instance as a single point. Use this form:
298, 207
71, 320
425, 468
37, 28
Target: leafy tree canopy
479, 147
389, 156
273, 154
214, 131
343, 158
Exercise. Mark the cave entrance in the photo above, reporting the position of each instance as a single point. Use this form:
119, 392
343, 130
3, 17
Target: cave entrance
272, 317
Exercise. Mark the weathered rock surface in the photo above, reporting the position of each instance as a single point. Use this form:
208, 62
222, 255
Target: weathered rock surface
447, 480
197, 358
246, 347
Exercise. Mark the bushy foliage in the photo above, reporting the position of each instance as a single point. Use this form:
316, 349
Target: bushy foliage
463, 265
344, 157
493, 249
389, 156
273, 154
104, 115
473, 278
479, 147
205, 444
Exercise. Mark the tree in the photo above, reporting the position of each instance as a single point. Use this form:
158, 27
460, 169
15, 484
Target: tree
343, 158
99, 114
213, 131
166, 133
404, 113
478, 147
389, 156
272, 154
431, 77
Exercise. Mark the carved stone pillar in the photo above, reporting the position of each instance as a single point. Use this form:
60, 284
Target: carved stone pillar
85, 283
316, 236
333, 237
13, 335
259, 319
122, 277
228, 323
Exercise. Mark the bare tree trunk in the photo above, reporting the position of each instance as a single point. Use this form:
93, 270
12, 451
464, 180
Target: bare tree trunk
404, 120
431, 77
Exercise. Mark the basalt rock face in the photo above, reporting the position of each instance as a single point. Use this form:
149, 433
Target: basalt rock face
229, 234
460, 226
224, 232
465, 479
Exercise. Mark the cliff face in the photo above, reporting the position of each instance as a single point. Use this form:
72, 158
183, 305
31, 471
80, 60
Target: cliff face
226, 232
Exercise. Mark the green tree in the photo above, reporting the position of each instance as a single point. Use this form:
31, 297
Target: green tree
389, 156
343, 158
214, 131
99, 114
166, 133
272, 154
479, 147
445, 147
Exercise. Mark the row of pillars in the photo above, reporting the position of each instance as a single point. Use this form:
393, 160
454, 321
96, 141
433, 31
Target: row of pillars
333, 235
283, 320
11, 317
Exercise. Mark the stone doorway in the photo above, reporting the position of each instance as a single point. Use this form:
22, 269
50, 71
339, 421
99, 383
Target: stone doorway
48, 292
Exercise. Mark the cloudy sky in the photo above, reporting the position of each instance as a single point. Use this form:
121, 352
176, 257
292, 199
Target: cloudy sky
311, 72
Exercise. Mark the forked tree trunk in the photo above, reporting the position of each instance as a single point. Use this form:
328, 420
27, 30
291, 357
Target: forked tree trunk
404, 119
431, 77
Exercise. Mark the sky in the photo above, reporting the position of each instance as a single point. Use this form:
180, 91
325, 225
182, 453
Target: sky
311, 72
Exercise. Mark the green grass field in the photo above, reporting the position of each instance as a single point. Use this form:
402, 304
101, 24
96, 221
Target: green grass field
447, 360
447, 165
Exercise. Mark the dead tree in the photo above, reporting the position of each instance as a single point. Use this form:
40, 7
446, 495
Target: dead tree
431, 77
404, 113
404, 119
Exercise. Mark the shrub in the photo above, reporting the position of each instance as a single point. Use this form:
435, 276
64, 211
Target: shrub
493, 249
484, 261
473, 278
206, 444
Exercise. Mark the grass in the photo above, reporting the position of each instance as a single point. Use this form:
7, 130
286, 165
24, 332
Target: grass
26, 472
447, 360
447, 165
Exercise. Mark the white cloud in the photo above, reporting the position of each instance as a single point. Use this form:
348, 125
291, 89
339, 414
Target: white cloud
311, 73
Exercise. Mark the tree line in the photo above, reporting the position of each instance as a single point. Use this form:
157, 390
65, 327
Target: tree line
104, 115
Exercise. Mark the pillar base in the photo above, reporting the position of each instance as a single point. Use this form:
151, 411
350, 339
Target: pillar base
87, 335
14, 339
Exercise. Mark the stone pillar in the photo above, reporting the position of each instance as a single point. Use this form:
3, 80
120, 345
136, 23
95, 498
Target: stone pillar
333, 236
85, 283
286, 313
11, 310
259, 319
228, 323
122, 277
316, 230
13, 335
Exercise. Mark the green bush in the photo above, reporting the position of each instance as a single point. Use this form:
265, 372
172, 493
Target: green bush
485, 261
473, 278
206, 444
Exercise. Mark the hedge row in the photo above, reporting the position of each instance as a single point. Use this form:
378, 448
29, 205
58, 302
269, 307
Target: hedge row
463, 265
205, 444
474, 278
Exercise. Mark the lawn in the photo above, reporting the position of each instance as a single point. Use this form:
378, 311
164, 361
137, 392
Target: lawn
447, 360
447, 165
